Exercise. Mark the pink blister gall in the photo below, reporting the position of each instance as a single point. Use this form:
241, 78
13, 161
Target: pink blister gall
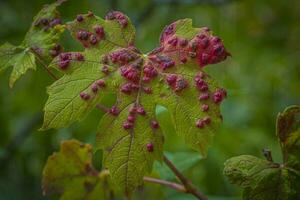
79, 18
154, 124
140, 110
84, 96
205, 107
150, 147
100, 83
131, 118
114, 110
127, 125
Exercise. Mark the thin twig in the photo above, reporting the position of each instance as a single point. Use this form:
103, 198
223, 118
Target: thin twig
189, 187
173, 185
102, 107
268, 154
43, 64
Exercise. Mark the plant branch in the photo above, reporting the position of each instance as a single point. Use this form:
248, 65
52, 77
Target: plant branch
189, 187
43, 64
102, 107
172, 185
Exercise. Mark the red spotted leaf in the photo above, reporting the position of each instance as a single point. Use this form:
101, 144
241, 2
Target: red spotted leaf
171, 75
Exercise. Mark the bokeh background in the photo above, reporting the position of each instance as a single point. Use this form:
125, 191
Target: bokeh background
262, 78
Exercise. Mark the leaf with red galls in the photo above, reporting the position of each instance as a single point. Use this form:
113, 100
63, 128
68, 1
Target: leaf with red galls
171, 75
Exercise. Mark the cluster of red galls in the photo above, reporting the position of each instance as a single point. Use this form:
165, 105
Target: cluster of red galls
217, 97
47, 23
131, 118
95, 87
88, 38
133, 111
176, 82
130, 65
207, 49
120, 17
91, 38
65, 59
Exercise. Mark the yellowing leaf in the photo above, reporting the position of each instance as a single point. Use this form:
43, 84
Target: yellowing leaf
71, 174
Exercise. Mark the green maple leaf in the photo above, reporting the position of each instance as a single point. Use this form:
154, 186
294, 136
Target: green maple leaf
38, 44
171, 75
71, 174
264, 180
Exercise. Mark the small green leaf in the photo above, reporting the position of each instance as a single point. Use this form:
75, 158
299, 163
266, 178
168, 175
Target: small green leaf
261, 179
7, 51
245, 170
21, 63
288, 131
129, 132
20, 59
71, 174
38, 44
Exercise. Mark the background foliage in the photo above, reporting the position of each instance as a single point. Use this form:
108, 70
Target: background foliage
262, 78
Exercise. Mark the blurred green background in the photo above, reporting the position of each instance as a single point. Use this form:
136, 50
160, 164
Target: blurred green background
262, 78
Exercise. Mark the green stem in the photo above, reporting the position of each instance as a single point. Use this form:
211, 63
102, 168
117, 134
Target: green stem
43, 64
172, 185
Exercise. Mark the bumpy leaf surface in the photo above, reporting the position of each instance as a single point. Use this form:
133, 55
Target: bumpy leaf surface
261, 179
71, 174
38, 44
171, 75
264, 180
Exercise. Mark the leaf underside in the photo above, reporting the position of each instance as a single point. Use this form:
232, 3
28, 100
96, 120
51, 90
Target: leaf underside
171, 75
38, 44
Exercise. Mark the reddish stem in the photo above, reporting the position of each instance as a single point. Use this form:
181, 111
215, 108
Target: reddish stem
189, 187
